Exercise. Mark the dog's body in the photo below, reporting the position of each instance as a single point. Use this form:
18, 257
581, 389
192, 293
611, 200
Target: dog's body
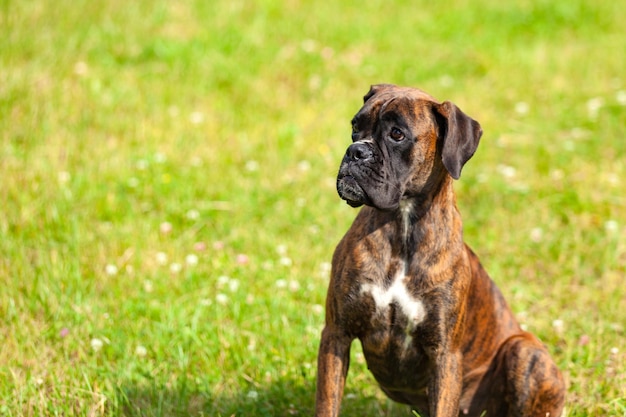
436, 332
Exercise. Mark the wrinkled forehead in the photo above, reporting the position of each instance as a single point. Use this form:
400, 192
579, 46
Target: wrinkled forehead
396, 99
403, 92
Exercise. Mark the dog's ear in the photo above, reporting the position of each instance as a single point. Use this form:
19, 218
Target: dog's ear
375, 89
460, 134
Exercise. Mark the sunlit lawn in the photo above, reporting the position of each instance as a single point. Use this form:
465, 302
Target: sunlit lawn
168, 191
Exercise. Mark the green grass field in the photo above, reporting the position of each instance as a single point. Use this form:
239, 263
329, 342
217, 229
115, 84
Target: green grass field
168, 204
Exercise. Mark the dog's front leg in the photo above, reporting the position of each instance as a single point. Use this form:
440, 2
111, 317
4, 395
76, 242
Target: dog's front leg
445, 387
332, 367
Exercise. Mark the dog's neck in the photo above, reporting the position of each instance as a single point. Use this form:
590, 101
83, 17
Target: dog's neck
420, 224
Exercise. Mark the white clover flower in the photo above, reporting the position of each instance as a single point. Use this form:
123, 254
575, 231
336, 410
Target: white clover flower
536, 234
446, 80
507, 171
141, 165
251, 345
191, 259
166, 227
96, 344
285, 261
304, 166
281, 249
196, 118
613, 178
281, 283
111, 269
325, 268
317, 308
315, 82
161, 258
557, 175
160, 158
221, 298
308, 45
252, 166
175, 268
195, 161
141, 351
193, 214
594, 105
64, 177
81, 68
133, 182
611, 226
522, 108
253, 395
233, 285
173, 111
579, 133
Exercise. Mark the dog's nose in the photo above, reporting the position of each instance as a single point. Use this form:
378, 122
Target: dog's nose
359, 152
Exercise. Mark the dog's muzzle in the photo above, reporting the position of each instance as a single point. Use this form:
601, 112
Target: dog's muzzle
347, 181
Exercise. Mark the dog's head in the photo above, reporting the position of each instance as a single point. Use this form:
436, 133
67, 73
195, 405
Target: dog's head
404, 142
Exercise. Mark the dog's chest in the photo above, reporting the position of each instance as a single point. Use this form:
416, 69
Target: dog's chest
391, 337
398, 295
395, 312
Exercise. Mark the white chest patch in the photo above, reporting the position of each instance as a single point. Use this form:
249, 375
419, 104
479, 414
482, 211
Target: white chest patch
410, 306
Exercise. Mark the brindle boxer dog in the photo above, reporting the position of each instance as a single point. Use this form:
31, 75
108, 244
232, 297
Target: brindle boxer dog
436, 332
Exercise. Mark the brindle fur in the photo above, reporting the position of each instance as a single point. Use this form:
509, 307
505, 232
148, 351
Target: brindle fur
469, 355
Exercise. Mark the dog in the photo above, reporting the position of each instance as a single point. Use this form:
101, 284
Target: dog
436, 332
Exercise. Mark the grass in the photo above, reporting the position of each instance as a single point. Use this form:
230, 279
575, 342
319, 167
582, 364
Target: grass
168, 202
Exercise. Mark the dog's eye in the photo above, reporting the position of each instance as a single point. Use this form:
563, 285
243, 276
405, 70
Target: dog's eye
396, 134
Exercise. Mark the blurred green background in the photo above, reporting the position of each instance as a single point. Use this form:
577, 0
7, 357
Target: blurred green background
168, 191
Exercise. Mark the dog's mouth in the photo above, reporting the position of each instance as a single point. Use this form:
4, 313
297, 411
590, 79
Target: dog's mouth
350, 191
